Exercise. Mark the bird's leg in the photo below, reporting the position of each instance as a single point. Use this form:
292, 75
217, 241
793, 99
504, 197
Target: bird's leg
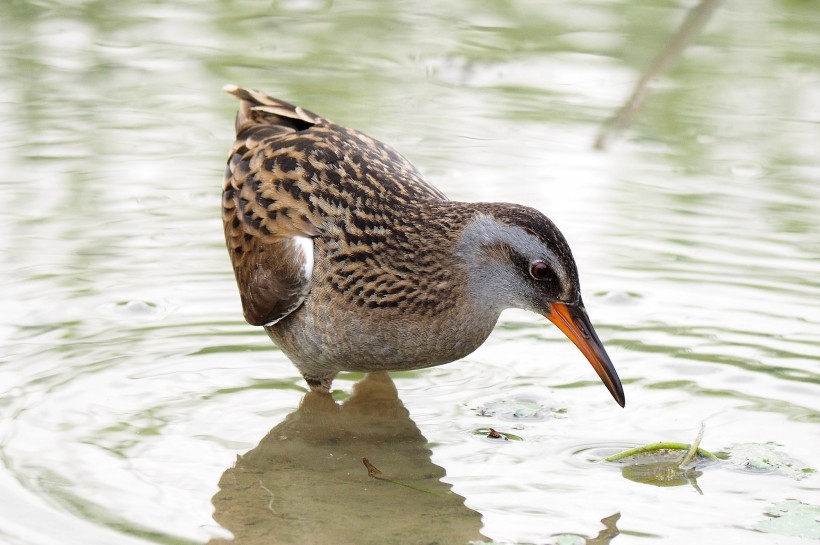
320, 385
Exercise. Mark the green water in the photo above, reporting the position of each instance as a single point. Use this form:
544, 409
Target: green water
129, 382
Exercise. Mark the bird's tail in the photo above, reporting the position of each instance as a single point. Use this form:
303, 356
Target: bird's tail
257, 108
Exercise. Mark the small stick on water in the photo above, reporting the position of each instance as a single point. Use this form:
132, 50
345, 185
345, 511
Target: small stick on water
374, 472
695, 20
693, 449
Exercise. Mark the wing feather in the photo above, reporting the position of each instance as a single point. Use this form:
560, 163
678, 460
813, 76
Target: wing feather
293, 175
263, 230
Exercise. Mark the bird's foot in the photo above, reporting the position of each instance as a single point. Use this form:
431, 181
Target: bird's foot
320, 385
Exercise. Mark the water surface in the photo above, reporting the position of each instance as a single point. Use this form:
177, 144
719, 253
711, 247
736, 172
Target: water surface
129, 382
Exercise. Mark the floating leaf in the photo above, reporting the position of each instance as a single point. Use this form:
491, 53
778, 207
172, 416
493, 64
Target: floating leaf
491, 433
763, 457
792, 518
663, 448
664, 464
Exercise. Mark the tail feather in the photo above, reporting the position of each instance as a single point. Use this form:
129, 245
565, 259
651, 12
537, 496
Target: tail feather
257, 108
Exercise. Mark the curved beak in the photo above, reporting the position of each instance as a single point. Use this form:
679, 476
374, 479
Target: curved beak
574, 322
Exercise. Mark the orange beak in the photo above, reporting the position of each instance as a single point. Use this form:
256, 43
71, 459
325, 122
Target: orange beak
574, 322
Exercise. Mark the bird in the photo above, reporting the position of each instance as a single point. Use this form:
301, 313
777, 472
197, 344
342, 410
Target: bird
352, 261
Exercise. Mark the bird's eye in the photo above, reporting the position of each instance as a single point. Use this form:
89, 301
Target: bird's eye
540, 270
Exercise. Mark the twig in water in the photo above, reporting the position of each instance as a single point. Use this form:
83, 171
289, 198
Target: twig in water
693, 449
694, 21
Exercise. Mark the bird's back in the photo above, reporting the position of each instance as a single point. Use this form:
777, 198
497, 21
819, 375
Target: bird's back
302, 169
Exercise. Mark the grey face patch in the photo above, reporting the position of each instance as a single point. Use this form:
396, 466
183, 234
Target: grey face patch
497, 254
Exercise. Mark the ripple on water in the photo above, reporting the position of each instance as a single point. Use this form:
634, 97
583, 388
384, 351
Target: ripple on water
137, 309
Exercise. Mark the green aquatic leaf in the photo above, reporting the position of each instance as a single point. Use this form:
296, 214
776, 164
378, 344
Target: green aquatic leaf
665, 463
764, 457
662, 448
792, 518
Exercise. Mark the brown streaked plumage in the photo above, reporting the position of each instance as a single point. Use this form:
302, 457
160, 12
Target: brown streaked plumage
352, 261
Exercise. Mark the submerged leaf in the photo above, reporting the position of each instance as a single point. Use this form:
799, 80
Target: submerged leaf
661, 474
664, 464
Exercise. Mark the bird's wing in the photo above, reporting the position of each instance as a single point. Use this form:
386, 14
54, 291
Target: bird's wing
293, 176
268, 229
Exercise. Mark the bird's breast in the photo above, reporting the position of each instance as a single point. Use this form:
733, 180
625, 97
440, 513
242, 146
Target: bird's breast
323, 336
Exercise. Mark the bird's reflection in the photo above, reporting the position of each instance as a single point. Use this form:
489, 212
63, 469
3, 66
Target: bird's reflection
606, 535
305, 482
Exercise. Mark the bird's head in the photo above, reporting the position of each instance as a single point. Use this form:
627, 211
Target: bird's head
517, 258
